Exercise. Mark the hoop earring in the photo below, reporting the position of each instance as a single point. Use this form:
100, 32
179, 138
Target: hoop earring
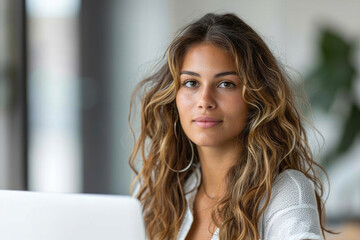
188, 166
175, 130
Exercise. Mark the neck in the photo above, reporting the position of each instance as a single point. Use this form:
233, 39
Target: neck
215, 163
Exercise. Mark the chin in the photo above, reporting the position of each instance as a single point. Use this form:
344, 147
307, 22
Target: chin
213, 141
206, 145
208, 142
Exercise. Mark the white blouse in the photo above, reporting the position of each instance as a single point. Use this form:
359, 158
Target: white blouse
291, 214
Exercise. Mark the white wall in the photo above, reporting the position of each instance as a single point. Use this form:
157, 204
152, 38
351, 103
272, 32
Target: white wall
140, 37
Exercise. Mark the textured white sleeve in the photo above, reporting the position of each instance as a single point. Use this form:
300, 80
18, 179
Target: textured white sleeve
292, 213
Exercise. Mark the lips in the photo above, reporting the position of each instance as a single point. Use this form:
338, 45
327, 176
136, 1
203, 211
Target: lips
207, 122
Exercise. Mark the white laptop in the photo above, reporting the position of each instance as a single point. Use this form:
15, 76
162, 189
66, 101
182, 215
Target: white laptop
52, 216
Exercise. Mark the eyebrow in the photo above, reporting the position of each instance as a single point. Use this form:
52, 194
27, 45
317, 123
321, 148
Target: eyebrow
222, 74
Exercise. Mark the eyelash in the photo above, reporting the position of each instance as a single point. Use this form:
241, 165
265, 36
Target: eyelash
194, 81
189, 81
232, 84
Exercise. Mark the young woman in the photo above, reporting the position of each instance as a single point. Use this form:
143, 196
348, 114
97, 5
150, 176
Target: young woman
223, 147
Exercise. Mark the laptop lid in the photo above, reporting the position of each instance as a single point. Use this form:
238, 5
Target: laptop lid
54, 216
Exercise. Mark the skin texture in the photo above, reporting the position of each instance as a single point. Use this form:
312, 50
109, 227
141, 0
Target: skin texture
205, 95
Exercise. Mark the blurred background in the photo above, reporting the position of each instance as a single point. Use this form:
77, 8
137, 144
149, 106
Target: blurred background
68, 67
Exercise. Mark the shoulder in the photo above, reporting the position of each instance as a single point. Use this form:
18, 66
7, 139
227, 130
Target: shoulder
292, 210
292, 187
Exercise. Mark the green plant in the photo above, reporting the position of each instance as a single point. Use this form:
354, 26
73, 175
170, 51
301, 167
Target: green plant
333, 78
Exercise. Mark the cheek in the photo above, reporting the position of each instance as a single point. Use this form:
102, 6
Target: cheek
243, 114
183, 103
238, 108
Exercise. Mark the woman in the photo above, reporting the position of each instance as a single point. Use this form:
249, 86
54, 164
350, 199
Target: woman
223, 148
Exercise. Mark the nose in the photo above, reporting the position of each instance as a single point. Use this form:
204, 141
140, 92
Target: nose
207, 99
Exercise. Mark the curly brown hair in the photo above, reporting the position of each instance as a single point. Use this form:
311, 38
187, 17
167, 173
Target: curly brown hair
274, 138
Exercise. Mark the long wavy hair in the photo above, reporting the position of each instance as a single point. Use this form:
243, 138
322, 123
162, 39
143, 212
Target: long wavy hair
274, 138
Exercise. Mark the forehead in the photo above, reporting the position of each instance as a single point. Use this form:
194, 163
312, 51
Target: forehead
207, 56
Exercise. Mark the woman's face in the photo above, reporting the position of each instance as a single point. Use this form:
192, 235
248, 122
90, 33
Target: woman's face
210, 104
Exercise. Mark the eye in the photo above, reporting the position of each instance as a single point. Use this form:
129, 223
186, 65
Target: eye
226, 85
191, 83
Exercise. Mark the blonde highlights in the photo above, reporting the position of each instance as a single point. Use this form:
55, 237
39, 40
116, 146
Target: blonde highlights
274, 138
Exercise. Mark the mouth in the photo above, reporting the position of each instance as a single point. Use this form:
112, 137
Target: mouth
207, 122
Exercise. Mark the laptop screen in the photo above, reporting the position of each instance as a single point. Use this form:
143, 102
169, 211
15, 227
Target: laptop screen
53, 216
